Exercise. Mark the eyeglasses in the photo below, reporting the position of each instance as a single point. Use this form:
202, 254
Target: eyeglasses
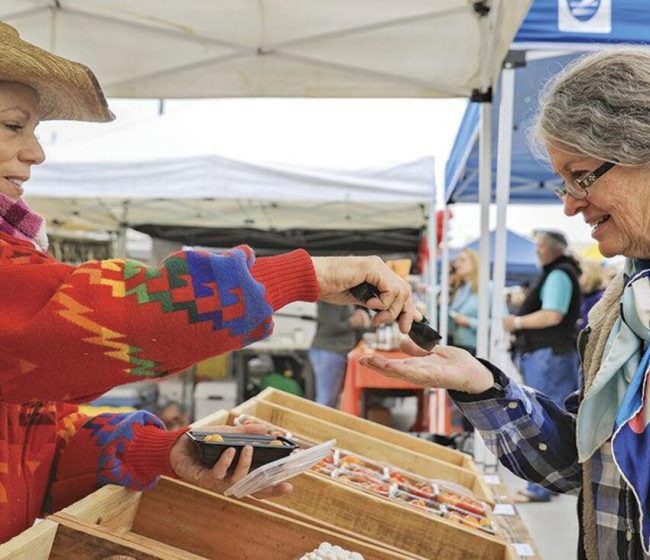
579, 189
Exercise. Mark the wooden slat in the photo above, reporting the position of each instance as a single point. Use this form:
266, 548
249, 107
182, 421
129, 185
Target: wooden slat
372, 448
112, 507
367, 427
218, 527
274, 506
70, 544
33, 544
137, 542
392, 523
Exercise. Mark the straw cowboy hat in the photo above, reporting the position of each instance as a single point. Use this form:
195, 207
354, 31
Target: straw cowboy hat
68, 90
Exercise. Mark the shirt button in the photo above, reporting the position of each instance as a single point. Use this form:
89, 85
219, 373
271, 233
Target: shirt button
629, 535
512, 405
542, 447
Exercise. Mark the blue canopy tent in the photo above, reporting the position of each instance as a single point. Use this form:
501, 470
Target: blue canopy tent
553, 33
521, 257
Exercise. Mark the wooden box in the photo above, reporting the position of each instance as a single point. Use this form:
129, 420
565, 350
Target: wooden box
184, 522
69, 540
317, 429
367, 427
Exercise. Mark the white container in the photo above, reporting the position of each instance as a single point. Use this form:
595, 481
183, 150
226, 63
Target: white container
210, 396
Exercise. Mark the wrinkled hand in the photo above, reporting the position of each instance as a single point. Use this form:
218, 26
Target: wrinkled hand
186, 465
336, 275
445, 367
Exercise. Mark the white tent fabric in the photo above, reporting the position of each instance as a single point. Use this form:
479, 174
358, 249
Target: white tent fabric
286, 48
213, 191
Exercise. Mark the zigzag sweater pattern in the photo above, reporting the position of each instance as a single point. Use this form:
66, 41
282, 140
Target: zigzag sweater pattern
68, 334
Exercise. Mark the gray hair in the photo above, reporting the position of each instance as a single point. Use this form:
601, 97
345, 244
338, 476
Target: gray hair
554, 239
599, 105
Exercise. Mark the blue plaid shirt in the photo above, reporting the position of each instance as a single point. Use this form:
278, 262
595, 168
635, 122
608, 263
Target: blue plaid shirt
536, 440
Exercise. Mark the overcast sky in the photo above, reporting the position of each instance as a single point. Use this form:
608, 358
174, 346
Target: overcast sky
321, 133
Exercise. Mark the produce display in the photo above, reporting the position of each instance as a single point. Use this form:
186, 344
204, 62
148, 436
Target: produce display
436, 497
326, 551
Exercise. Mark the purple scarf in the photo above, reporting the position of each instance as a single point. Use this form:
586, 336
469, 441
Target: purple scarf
17, 220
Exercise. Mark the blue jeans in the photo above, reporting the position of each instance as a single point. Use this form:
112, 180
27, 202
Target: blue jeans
554, 375
329, 370
557, 377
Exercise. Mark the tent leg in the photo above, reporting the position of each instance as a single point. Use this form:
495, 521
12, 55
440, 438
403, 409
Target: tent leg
432, 286
485, 184
444, 279
504, 155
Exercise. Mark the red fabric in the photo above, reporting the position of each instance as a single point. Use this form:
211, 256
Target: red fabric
70, 333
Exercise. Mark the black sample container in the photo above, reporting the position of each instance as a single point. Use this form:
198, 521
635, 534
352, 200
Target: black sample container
263, 452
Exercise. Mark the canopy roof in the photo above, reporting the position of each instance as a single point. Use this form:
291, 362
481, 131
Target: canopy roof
531, 181
212, 191
286, 48
559, 28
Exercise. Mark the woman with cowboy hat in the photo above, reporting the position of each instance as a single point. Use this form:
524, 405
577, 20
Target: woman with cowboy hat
70, 333
594, 123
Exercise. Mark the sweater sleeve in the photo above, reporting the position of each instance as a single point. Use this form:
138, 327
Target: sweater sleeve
71, 333
130, 450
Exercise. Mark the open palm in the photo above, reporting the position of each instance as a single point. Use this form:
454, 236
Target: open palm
445, 367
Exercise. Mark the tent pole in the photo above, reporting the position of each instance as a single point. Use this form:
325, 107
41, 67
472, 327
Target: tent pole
121, 242
504, 156
432, 242
444, 278
485, 180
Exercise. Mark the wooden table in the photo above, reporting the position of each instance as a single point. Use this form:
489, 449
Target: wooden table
359, 380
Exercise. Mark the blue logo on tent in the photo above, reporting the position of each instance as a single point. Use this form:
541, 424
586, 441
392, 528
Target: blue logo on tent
583, 10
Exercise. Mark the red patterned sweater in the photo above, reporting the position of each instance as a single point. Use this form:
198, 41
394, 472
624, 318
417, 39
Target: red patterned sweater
68, 334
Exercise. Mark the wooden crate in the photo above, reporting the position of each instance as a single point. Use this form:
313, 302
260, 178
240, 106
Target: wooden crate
319, 501
367, 427
395, 525
320, 430
188, 522
70, 540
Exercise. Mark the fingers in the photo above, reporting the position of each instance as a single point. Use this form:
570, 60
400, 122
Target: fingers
274, 491
220, 469
380, 364
243, 465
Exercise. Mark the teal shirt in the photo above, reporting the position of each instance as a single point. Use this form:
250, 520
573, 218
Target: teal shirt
556, 292
465, 302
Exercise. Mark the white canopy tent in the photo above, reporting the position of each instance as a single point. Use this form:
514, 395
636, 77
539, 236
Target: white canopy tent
213, 191
278, 48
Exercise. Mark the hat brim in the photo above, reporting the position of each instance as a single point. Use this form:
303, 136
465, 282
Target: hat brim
67, 90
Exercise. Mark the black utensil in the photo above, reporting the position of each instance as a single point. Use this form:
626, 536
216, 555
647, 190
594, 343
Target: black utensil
423, 334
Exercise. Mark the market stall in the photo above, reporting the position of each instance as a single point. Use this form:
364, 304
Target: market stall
439, 505
200, 49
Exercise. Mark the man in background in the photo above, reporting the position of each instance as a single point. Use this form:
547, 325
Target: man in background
545, 331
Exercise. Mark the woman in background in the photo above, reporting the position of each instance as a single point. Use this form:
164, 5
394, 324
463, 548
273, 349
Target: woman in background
591, 286
463, 309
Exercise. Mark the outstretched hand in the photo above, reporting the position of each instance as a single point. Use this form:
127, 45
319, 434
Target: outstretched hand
445, 367
186, 465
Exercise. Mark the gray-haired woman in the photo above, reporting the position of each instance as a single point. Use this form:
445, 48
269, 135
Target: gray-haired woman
595, 126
